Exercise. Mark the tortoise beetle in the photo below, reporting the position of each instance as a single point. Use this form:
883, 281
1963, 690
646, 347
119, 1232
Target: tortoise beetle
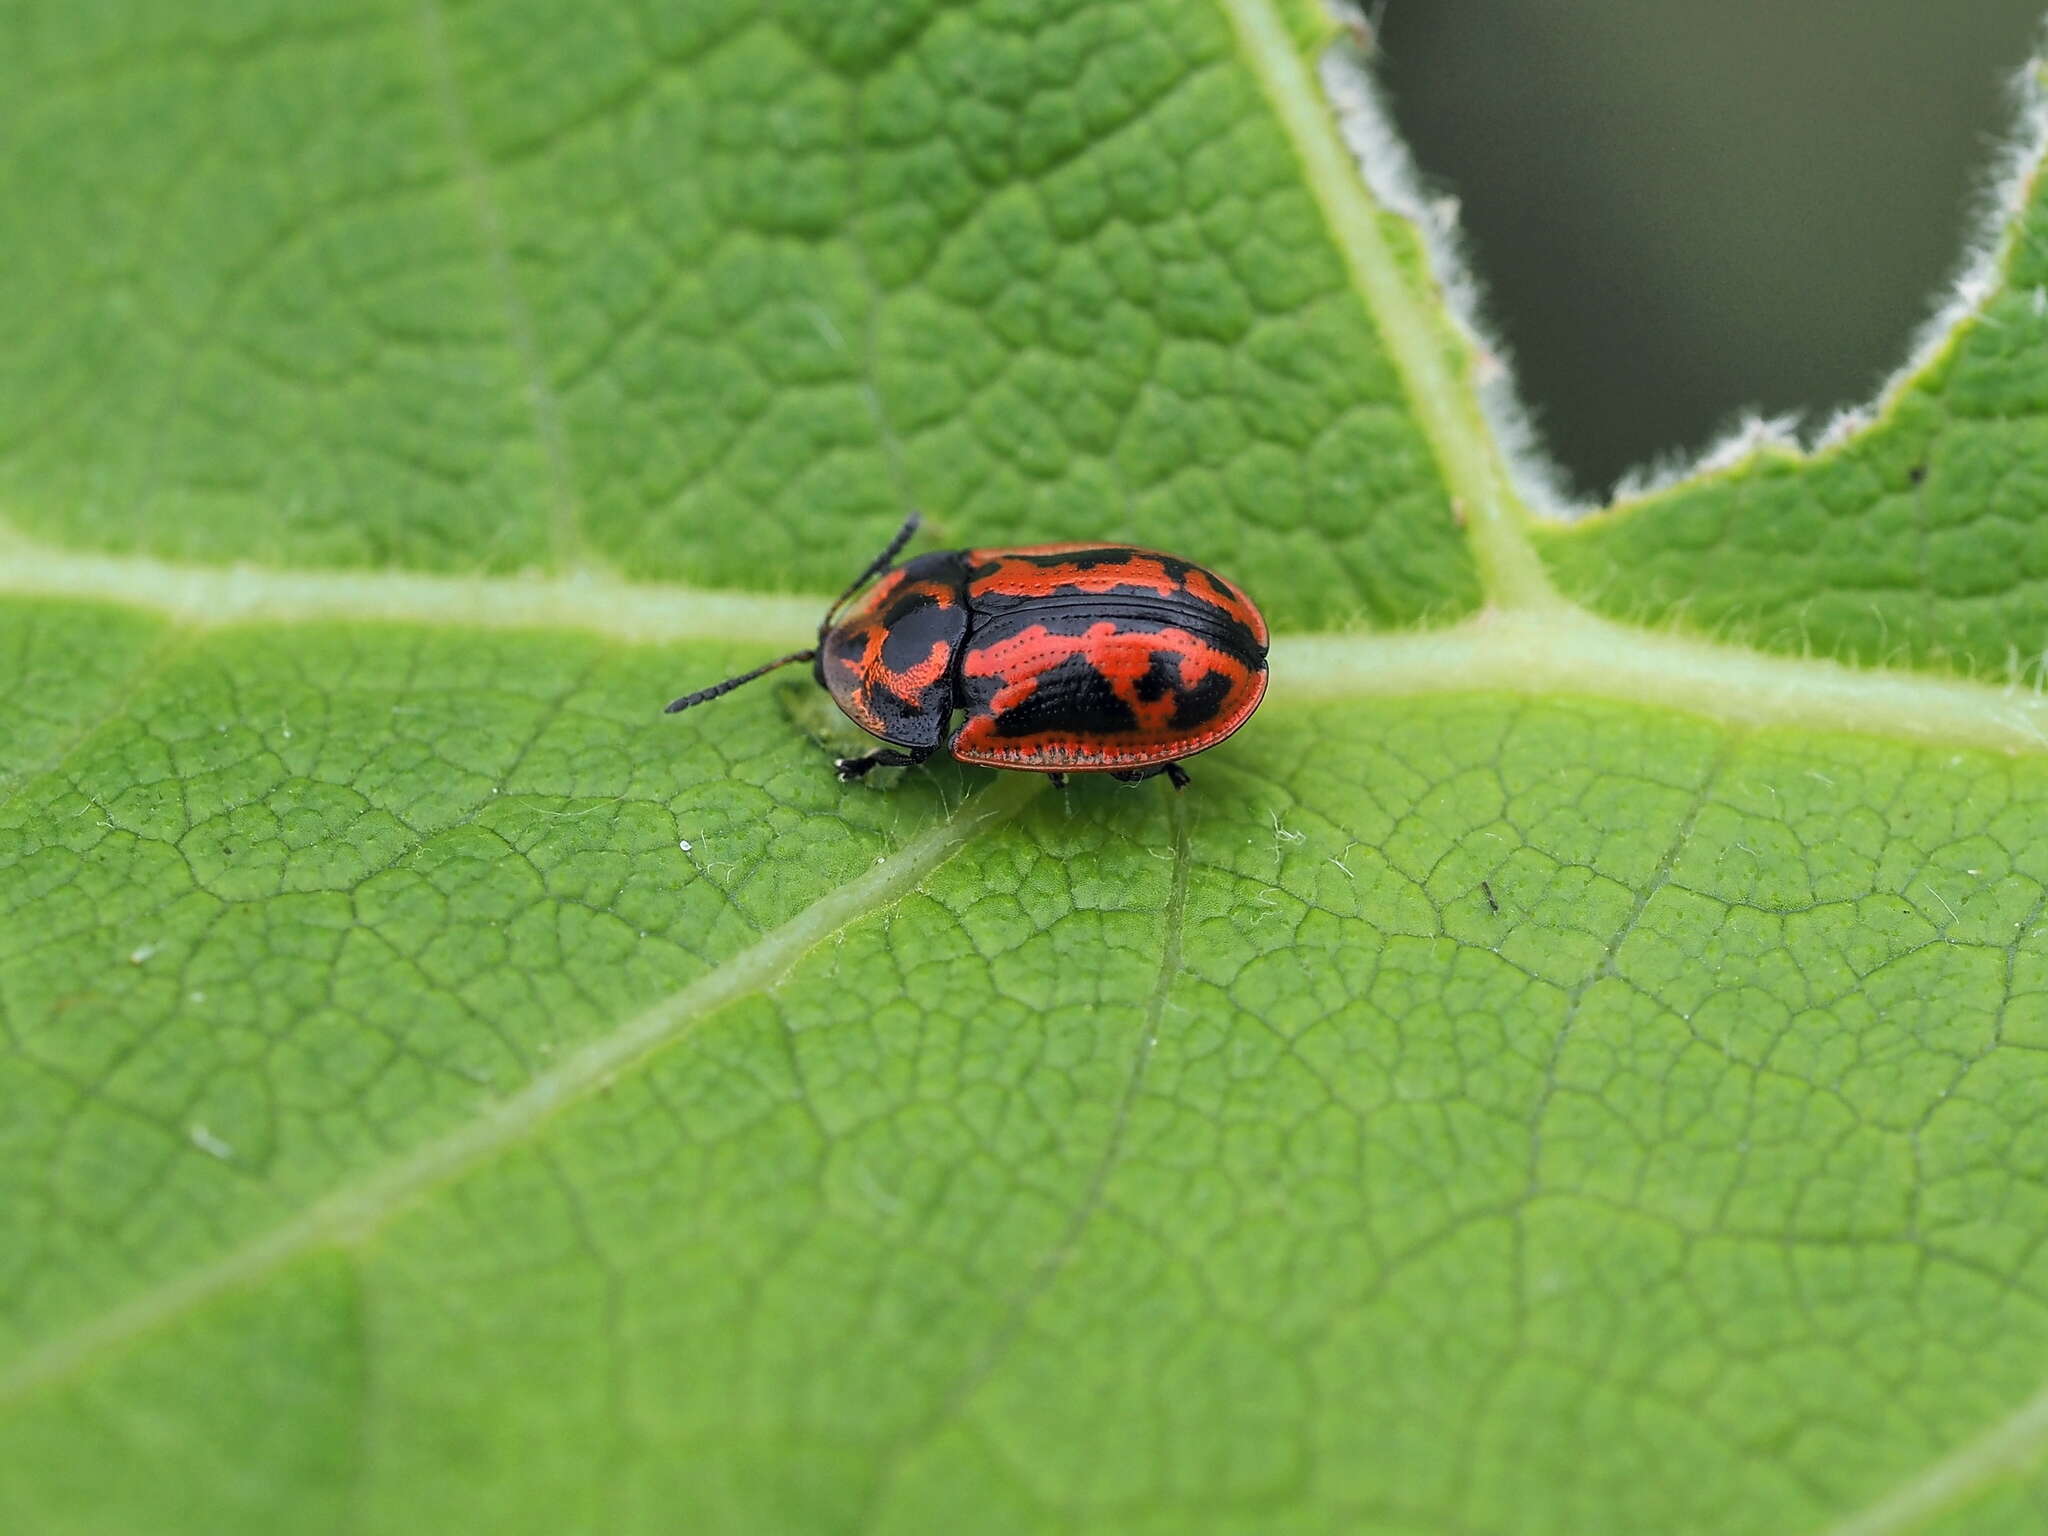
1063, 658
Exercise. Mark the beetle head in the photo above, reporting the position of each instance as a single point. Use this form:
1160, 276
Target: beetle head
815, 654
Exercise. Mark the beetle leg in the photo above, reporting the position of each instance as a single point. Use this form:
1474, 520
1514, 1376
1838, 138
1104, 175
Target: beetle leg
851, 768
1175, 775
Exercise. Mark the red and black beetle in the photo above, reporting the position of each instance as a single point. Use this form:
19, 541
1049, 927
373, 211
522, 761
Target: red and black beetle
1065, 658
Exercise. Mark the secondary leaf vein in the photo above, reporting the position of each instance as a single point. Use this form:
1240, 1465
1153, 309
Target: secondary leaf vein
352, 1213
1010, 1326
2013, 1444
566, 516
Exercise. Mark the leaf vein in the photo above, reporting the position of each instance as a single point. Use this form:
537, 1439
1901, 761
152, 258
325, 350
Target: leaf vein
565, 525
350, 1214
1009, 1326
1564, 651
2014, 1443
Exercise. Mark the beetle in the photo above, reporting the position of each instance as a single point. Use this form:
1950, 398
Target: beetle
1062, 658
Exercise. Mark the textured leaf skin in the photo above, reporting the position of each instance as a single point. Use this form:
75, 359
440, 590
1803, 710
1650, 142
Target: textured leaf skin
1921, 542
984, 1185
1047, 271
1474, 1111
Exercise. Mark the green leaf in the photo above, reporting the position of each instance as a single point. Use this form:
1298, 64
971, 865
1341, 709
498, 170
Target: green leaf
1572, 1064
1915, 537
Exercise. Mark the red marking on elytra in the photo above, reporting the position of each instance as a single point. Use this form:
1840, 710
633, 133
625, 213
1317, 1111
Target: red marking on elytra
910, 682
1022, 578
1122, 656
877, 595
977, 741
1014, 575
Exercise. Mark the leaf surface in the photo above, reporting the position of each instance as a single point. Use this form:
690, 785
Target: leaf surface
1547, 1075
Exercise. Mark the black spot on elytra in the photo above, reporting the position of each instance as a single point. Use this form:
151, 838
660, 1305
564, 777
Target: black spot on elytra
1163, 674
1197, 706
1071, 697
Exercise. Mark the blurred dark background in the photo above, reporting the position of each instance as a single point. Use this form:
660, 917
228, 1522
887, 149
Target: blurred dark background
1680, 211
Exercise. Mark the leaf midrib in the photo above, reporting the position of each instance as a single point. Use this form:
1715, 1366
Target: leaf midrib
1551, 651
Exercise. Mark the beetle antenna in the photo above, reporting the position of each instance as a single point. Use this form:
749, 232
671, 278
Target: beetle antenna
875, 568
716, 690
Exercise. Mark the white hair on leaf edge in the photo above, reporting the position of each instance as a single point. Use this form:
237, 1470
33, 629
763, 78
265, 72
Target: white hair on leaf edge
1981, 272
1391, 176
1751, 437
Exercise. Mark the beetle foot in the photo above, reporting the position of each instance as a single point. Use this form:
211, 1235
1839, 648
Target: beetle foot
851, 768
1176, 775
